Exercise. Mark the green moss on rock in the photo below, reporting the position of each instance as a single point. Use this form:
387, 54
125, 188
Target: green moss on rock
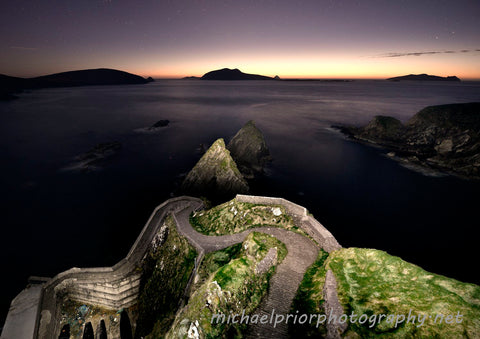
215, 174
233, 287
166, 272
234, 217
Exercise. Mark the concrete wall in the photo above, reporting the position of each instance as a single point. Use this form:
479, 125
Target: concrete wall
113, 287
299, 213
117, 287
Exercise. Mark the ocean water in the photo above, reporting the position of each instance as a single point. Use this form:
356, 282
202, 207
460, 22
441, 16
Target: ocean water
54, 218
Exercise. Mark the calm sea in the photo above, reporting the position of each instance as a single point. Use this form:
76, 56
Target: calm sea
54, 218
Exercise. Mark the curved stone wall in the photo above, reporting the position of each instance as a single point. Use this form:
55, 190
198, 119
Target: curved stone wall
299, 213
117, 287
113, 287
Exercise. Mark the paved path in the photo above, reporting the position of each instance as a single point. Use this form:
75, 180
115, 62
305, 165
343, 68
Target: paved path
117, 286
111, 287
302, 252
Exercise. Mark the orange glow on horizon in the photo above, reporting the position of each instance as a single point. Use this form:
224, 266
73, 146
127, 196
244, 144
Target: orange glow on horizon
333, 73
338, 65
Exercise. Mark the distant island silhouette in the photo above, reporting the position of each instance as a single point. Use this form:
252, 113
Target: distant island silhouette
232, 74
89, 77
424, 77
236, 74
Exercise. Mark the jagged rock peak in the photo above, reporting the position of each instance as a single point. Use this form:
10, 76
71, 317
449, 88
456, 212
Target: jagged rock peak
216, 173
249, 149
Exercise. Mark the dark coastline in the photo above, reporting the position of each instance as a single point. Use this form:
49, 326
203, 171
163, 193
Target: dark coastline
91, 77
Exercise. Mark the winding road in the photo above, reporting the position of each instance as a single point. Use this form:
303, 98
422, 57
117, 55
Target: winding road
117, 286
302, 252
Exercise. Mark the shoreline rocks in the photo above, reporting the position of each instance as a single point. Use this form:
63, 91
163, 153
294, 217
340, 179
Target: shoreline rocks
444, 138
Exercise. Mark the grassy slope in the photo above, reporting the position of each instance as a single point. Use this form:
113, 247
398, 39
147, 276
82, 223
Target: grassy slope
233, 217
232, 287
165, 276
374, 282
309, 299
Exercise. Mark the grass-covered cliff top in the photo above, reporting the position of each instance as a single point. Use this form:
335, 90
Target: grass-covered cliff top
373, 282
230, 282
234, 216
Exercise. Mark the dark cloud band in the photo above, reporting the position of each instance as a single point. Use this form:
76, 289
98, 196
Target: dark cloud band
397, 55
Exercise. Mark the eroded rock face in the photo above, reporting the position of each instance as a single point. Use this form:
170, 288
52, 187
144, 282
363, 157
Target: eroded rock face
249, 149
215, 174
383, 127
446, 137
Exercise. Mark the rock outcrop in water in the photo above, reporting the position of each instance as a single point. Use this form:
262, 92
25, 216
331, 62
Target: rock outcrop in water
249, 150
159, 124
232, 74
424, 77
445, 137
215, 174
91, 160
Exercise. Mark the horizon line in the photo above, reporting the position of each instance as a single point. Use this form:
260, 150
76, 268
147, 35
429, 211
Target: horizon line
301, 78
287, 77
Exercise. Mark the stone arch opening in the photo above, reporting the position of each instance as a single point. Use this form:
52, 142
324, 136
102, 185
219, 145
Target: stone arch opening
65, 332
125, 326
88, 331
102, 330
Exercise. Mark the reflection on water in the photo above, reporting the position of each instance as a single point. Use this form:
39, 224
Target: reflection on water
54, 219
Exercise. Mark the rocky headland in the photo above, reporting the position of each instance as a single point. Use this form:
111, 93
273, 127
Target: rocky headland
249, 150
424, 77
216, 174
88, 77
232, 74
444, 138
255, 255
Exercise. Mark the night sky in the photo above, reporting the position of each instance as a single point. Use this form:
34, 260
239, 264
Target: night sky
319, 39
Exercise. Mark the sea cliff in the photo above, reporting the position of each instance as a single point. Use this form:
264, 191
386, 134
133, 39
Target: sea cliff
444, 138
